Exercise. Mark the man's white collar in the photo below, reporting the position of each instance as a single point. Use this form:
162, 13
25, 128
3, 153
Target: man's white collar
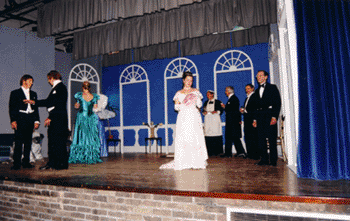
55, 82
24, 89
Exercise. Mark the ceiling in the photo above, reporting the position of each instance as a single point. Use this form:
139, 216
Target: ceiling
22, 14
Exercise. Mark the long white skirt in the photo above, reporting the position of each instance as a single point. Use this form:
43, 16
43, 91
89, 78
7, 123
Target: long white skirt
190, 149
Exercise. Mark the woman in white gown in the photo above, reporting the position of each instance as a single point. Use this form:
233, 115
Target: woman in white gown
190, 149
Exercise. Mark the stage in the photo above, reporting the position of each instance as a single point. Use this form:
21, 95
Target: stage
224, 179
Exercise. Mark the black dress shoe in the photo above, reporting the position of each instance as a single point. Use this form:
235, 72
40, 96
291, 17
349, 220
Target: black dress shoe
16, 167
46, 167
226, 155
273, 164
27, 165
241, 155
261, 163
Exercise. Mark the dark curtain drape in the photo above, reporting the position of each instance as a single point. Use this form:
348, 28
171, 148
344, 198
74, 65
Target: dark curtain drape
210, 43
66, 15
323, 41
188, 21
159, 51
117, 58
191, 46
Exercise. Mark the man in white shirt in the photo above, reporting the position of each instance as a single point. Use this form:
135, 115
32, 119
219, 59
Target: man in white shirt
265, 119
233, 129
24, 117
212, 110
57, 123
250, 132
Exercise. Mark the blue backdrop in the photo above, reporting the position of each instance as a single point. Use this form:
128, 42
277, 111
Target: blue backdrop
134, 96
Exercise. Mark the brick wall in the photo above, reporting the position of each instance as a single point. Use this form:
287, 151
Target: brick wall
25, 201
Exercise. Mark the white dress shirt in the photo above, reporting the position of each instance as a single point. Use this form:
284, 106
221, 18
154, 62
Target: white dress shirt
29, 107
261, 90
54, 85
211, 107
246, 102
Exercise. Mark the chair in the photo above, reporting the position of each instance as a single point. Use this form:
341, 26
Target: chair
114, 141
148, 142
280, 140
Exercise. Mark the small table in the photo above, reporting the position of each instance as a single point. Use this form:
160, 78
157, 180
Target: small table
115, 144
148, 142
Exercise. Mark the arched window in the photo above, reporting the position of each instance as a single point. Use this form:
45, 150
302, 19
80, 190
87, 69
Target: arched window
174, 70
232, 61
80, 73
133, 74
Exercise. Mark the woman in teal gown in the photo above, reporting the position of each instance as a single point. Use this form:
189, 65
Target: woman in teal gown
85, 147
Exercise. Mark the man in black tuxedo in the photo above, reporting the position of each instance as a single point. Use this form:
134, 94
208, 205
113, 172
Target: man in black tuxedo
57, 123
265, 119
233, 130
24, 117
250, 132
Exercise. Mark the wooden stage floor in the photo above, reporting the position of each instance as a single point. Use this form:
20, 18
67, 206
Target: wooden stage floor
224, 178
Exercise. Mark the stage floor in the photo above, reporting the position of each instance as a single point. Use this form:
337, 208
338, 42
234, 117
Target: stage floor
224, 177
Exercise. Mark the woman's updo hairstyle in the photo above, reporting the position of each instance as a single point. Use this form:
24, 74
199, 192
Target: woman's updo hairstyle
184, 75
86, 85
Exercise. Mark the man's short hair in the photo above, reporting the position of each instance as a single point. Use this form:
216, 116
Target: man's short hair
265, 72
230, 88
250, 85
54, 74
24, 78
210, 91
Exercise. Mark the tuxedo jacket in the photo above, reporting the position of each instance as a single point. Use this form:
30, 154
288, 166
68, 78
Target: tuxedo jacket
16, 104
58, 116
217, 106
270, 102
233, 117
250, 109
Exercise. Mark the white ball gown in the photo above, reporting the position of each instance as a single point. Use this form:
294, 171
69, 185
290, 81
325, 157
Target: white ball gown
190, 149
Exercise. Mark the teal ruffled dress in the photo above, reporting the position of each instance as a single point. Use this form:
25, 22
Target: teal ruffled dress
85, 147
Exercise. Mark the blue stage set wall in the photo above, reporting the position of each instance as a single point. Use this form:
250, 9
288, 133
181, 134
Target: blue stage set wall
135, 96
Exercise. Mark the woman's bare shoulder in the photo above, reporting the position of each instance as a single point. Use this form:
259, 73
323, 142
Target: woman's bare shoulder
195, 90
180, 91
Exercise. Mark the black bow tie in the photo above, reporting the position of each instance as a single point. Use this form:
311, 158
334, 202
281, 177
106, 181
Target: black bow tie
211, 102
263, 85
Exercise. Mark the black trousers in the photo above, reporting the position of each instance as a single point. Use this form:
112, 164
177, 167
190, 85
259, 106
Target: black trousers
23, 138
214, 145
250, 138
229, 140
266, 132
57, 142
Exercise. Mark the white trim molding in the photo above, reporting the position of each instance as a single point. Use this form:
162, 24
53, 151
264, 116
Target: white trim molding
174, 70
80, 73
132, 74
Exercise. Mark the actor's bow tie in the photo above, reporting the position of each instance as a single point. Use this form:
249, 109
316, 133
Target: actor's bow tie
211, 102
263, 85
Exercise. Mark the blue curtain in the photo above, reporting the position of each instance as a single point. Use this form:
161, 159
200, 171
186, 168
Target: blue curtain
323, 41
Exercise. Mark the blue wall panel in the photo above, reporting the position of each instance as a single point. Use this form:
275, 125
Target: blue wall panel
134, 96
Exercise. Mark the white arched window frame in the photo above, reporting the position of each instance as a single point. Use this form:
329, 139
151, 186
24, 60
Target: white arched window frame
175, 70
131, 75
232, 61
80, 73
